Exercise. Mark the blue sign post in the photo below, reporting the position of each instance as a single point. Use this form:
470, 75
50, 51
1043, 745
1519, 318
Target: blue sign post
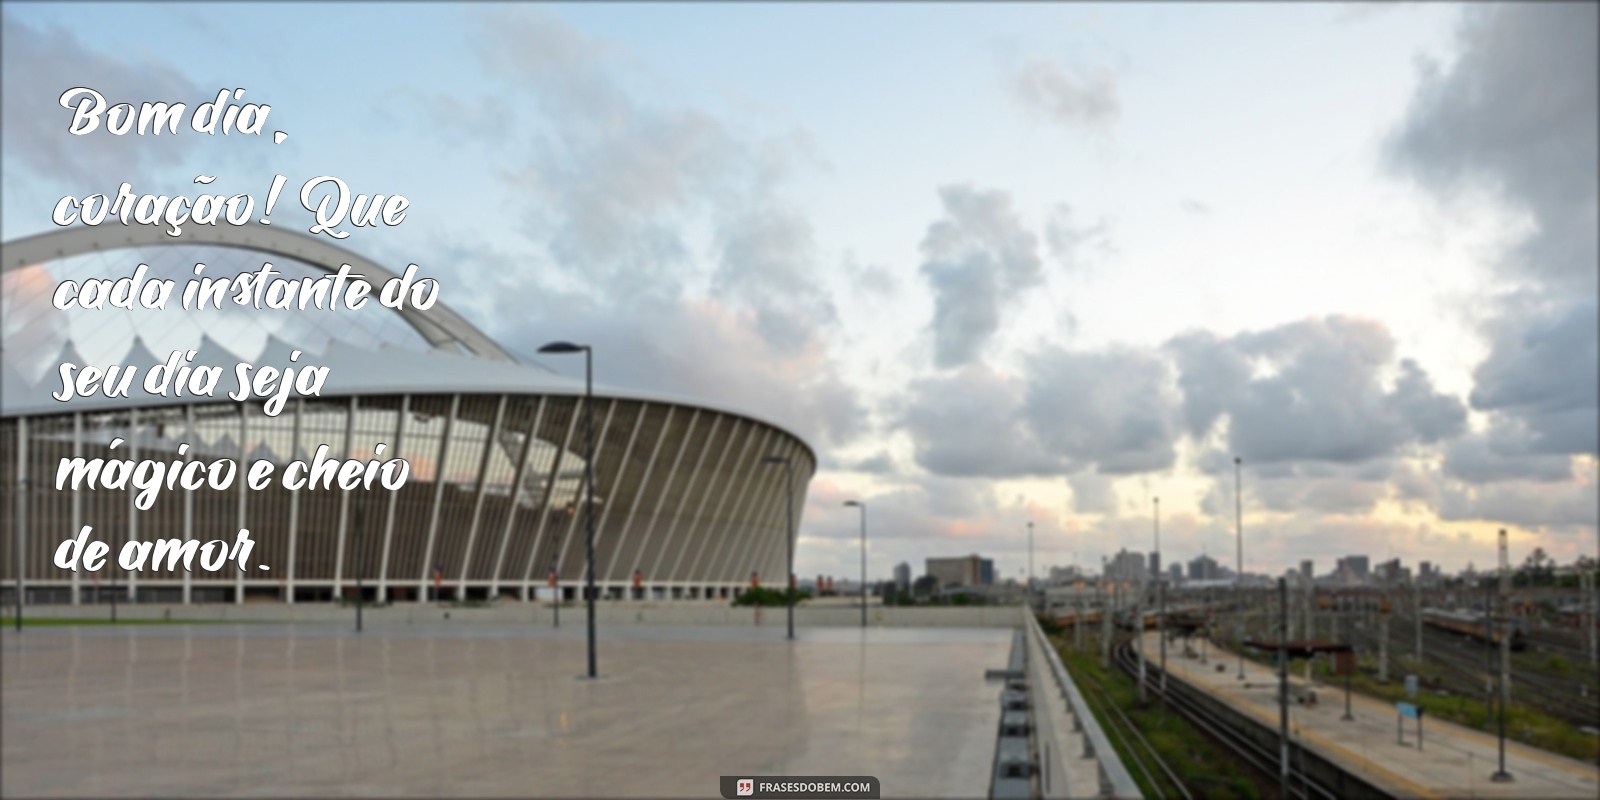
1414, 712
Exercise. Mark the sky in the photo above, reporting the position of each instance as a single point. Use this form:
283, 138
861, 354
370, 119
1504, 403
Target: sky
997, 264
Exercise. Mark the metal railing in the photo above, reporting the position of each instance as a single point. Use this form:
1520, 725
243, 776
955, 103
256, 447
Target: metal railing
1113, 775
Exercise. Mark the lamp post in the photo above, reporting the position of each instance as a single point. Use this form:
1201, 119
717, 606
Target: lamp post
1161, 608
788, 531
863, 507
1238, 578
565, 348
1030, 564
16, 541
1503, 617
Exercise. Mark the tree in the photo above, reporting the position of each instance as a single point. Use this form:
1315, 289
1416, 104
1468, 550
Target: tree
1538, 569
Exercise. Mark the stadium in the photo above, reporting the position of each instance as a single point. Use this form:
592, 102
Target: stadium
689, 501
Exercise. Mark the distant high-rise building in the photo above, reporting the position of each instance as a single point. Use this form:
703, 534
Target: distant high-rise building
1204, 568
1391, 572
959, 571
1175, 573
1126, 566
1429, 574
986, 572
902, 576
1306, 569
1155, 565
1063, 575
1356, 567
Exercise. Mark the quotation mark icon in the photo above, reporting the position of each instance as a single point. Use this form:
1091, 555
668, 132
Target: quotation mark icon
746, 787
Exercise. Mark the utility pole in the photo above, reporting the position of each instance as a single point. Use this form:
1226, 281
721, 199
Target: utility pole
1138, 640
1417, 610
1238, 578
1383, 640
1505, 626
1078, 622
1594, 621
1586, 616
1488, 651
1504, 629
1283, 688
1311, 631
1107, 608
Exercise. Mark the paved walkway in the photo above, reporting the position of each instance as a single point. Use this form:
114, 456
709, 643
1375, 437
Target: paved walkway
484, 710
1454, 761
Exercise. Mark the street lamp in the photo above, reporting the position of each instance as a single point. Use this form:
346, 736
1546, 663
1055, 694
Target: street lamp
360, 557
863, 507
1030, 562
567, 348
1161, 608
788, 531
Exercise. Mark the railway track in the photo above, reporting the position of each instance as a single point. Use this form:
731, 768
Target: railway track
1264, 759
1146, 761
1467, 661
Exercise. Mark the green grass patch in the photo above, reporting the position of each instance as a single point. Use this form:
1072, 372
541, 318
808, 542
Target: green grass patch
1204, 767
1523, 724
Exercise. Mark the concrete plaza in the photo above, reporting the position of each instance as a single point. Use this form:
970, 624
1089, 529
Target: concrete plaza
490, 709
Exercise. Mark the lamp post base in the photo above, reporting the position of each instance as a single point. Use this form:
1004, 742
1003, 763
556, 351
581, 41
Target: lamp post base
1502, 777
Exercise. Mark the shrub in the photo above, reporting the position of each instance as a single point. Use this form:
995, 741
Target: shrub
764, 596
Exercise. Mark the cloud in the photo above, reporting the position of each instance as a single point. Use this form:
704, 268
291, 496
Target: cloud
1310, 390
969, 424
659, 232
978, 259
1518, 114
1069, 411
1092, 493
880, 463
1499, 454
1529, 504
629, 196
767, 263
1542, 376
1081, 99
43, 61
701, 348
921, 515
1074, 245
1107, 408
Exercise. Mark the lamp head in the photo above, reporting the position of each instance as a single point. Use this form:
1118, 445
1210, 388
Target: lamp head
563, 347
854, 504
